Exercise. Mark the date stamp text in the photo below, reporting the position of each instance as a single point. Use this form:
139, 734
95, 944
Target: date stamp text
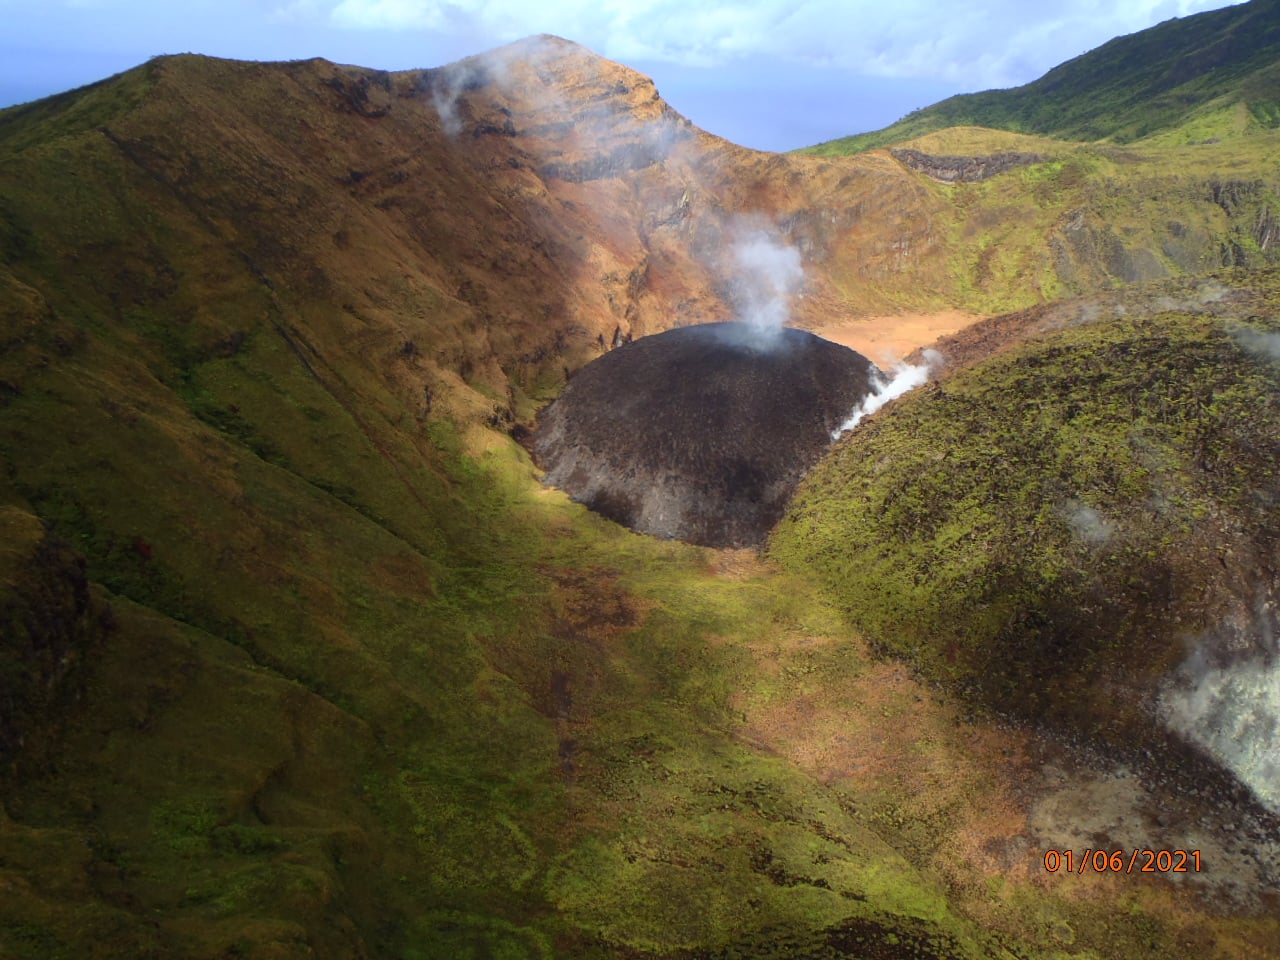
1121, 861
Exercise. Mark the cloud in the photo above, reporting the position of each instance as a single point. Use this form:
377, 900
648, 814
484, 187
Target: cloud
389, 14
995, 43
296, 11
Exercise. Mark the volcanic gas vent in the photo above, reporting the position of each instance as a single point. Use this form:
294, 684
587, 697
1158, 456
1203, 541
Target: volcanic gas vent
700, 433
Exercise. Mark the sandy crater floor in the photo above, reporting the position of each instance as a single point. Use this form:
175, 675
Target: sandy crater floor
887, 339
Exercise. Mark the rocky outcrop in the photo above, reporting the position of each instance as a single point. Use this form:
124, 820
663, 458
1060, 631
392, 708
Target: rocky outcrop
950, 169
622, 159
1267, 231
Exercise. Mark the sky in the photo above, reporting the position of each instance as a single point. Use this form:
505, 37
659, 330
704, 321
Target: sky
769, 74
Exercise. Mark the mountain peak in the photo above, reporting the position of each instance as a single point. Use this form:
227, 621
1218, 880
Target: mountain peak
525, 68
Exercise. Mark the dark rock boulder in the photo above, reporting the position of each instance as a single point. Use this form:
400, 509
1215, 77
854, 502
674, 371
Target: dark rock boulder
700, 433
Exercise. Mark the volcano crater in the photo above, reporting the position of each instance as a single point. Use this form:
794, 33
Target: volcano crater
700, 433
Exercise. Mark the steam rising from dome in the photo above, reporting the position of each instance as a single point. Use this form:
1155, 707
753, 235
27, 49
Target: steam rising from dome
767, 275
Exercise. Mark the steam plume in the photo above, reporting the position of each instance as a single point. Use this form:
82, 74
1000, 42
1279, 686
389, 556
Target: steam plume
1089, 524
1265, 345
444, 97
758, 269
1229, 703
1233, 713
513, 70
767, 274
905, 377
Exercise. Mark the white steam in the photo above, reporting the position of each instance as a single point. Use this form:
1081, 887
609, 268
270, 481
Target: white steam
1233, 713
516, 70
1265, 345
1206, 295
1089, 524
604, 129
905, 377
494, 67
766, 275
1229, 704
445, 99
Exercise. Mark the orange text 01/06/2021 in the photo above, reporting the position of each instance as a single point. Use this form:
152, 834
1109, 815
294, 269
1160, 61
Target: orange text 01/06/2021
1121, 861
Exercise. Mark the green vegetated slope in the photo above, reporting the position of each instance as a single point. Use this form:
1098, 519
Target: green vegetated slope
1086, 217
1208, 75
300, 658
1151, 156
368, 691
1070, 509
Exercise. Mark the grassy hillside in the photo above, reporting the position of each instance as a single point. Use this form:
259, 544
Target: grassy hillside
1208, 75
1079, 219
308, 661
362, 687
1071, 509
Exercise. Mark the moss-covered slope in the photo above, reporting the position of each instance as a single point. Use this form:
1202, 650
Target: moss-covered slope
369, 689
1051, 526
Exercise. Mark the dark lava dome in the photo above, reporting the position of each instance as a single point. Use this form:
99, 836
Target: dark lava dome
700, 433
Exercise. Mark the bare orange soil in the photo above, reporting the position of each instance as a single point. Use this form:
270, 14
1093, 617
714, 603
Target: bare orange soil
888, 339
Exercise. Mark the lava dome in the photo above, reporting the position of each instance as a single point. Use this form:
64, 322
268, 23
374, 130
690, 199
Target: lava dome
700, 433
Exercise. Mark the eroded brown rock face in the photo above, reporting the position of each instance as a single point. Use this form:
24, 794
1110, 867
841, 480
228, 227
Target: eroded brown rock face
700, 433
495, 222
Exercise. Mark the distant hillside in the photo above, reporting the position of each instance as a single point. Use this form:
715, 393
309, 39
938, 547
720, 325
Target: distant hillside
1213, 74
